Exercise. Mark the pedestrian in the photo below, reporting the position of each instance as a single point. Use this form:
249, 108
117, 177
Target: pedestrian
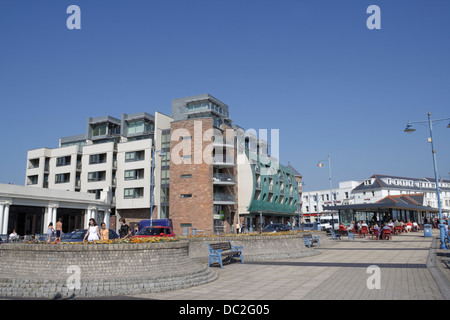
93, 232
125, 230
58, 230
13, 236
238, 228
104, 232
50, 231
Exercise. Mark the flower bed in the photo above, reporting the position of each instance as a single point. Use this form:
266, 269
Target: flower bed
116, 241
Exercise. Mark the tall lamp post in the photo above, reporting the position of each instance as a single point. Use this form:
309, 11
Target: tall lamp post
320, 165
410, 129
162, 154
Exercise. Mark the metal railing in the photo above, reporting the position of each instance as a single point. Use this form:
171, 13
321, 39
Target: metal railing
224, 197
223, 177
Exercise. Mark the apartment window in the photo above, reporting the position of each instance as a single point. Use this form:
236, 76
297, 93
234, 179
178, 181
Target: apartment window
165, 176
62, 178
165, 195
32, 180
97, 158
99, 129
346, 195
165, 161
96, 176
186, 195
63, 161
132, 193
34, 163
134, 156
165, 140
134, 174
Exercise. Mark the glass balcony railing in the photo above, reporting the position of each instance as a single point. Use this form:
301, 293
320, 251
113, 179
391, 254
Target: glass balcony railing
225, 197
222, 160
223, 177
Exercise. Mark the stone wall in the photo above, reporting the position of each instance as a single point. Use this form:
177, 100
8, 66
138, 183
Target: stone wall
41, 270
258, 247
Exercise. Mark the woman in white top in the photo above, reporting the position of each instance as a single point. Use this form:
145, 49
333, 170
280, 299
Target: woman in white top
93, 232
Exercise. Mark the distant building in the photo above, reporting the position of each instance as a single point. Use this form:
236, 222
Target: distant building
379, 186
315, 201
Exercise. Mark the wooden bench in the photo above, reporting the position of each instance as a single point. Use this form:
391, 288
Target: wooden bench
220, 250
309, 240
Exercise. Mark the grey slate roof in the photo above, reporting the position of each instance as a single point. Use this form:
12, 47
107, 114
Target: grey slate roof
379, 183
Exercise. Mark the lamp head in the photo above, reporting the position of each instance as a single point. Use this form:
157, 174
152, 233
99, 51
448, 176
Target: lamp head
409, 128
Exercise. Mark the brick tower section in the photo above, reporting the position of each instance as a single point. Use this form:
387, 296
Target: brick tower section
191, 188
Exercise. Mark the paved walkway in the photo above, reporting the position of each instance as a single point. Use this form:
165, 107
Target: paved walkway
339, 272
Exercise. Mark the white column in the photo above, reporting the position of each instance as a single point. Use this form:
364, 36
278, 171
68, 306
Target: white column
54, 216
88, 216
49, 217
106, 218
5, 219
2, 207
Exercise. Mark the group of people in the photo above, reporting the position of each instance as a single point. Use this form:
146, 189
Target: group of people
373, 228
93, 232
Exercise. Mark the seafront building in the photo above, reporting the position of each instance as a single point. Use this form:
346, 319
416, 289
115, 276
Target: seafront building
383, 197
208, 173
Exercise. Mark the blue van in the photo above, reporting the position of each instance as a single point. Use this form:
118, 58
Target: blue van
155, 222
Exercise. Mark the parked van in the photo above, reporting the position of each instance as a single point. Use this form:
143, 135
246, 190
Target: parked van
327, 220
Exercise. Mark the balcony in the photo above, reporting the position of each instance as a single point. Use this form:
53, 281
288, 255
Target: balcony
223, 162
224, 179
222, 141
224, 198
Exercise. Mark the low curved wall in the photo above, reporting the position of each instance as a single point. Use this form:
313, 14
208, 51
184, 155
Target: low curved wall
258, 247
42, 270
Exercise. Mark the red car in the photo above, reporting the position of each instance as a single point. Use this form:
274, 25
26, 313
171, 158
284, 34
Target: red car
155, 231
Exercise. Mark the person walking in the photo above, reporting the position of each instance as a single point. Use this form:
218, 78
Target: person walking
58, 230
93, 232
104, 233
50, 231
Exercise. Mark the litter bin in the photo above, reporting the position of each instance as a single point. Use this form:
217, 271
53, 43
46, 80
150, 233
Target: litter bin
427, 230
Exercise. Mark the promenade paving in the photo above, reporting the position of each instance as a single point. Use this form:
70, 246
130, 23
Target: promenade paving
340, 271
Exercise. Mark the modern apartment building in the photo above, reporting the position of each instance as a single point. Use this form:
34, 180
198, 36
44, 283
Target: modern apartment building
208, 173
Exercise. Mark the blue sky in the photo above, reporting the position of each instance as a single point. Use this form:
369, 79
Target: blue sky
311, 69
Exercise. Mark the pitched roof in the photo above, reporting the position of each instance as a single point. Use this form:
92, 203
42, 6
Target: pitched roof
378, 181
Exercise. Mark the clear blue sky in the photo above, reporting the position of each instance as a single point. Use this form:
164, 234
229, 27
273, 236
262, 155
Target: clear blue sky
311, 69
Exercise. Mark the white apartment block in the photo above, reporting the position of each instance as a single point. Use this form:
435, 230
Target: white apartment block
112, 160
315, 201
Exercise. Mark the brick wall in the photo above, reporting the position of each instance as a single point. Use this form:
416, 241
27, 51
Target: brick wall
198, 209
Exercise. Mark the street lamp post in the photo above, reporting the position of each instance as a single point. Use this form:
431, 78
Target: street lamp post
162, 154
410, 129
320, 164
